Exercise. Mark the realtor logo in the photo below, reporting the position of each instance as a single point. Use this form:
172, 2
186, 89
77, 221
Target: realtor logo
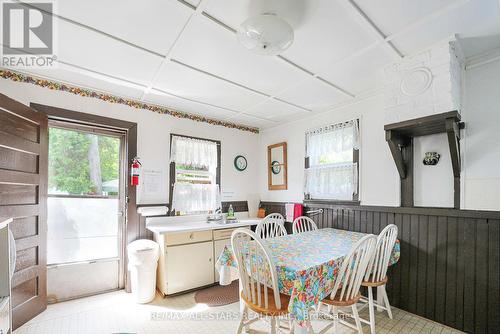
27, 37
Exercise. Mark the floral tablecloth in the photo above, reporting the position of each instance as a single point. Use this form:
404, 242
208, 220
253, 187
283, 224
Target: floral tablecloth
307, 265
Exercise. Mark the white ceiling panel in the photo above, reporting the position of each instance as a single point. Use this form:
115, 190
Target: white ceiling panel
151, 24
76, 77
176, 103
97, 52
252, 121
314, 94
214, 49
327, 34
275, 110
463, 21
324, 32
391, 16
234, 12
187, 82
361, 73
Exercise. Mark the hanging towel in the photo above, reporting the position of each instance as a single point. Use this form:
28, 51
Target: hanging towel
297, 210
289, 212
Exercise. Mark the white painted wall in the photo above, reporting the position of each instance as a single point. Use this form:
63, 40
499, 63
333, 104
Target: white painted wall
154, 136
432, 185
481, 164
379, 181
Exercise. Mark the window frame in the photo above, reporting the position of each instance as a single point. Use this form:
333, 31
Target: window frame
172, 173
355, 159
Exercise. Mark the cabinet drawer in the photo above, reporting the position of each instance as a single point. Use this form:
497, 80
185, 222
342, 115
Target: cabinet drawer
225, 233
172, 239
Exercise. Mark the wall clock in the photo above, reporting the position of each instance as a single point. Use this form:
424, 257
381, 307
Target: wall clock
240, 163
276, 167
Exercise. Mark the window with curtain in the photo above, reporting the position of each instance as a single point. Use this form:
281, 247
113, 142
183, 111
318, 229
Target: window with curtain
332, 155
195, 173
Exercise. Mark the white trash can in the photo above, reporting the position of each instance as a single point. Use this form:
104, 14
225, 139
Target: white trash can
142, 263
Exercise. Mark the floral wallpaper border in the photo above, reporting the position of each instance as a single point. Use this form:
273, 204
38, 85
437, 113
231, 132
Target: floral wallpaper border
18, 77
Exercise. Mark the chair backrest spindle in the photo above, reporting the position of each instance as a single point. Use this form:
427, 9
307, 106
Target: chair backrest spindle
353, 269
271, 226
256, 268
380, 261
303, 224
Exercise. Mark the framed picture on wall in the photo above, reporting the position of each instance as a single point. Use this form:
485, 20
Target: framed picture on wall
277, 168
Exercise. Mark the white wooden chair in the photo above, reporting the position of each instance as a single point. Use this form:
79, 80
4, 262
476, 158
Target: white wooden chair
346, 289
303, 224
377, 277
257, 271
271, 226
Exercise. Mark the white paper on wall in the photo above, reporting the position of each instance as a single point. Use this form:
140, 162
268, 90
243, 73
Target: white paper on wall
153, 184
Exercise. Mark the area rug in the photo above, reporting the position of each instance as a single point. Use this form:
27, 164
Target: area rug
218, 295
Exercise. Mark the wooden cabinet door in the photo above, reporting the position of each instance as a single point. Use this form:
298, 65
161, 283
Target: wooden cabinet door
23, 196
189, 266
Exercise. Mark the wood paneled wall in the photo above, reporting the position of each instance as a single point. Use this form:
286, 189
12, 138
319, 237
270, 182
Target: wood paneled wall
449, 267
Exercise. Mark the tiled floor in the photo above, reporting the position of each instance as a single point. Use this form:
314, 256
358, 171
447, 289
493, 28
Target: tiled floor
116, 313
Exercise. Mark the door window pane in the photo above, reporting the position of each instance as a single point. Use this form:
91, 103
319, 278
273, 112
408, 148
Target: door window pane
81, 229
83, 204
83, 163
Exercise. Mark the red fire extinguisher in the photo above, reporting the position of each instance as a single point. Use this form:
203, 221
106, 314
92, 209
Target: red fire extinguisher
134, 171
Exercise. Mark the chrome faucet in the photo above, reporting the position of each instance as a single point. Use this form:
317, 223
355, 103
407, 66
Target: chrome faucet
216, 216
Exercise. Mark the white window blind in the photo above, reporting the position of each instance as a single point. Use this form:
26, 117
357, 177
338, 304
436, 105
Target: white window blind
195, 188
332, 173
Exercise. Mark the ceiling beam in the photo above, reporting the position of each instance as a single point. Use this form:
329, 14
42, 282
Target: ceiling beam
87, 27
430, 17
168, 56
482, 59
125, 83
362, 18
235, 112
286, 60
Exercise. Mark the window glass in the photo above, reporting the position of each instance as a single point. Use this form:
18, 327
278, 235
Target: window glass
83, 164
332, 171
195, 189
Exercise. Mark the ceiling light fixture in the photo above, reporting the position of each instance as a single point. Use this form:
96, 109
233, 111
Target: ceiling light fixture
265, 34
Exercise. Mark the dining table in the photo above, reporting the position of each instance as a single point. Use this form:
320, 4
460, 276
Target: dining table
307, 265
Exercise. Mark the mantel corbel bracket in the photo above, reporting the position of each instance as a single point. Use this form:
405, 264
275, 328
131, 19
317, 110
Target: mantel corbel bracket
453, 132
396, 144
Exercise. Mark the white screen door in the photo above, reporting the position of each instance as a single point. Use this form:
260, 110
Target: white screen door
85, 211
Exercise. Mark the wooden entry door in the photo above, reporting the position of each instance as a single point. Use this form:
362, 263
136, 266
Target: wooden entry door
23, 196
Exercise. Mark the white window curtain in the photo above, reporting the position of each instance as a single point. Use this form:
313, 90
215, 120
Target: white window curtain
195, 197
190, 198
194, 152
332, 174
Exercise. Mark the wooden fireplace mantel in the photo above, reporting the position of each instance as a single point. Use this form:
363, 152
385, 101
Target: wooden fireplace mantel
399, 137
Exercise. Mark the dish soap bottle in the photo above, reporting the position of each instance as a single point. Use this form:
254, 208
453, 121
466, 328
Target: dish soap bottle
230, 212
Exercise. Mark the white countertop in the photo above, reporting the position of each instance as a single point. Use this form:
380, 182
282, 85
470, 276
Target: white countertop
171, 225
